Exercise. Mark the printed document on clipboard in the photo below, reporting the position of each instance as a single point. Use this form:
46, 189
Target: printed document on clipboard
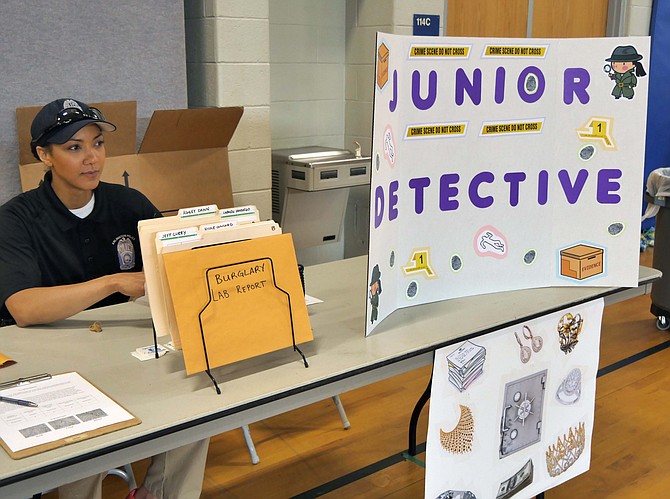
69, 409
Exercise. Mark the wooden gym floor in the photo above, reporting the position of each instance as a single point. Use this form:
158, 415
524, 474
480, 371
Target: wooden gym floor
307, 453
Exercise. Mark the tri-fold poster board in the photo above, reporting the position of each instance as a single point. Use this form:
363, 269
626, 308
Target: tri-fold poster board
502, 164
223, 284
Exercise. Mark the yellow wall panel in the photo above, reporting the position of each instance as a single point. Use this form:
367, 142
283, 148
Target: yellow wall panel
569, 18
489, 18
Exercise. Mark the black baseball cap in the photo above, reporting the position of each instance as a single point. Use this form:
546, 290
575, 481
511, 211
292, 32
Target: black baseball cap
59, 120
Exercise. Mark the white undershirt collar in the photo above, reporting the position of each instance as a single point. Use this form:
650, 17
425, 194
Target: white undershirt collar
85, 210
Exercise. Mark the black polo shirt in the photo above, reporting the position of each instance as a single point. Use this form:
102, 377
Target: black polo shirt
43, 244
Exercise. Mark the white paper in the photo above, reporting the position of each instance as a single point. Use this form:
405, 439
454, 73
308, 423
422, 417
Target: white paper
311, 300
469, 428
68, 405
149, 352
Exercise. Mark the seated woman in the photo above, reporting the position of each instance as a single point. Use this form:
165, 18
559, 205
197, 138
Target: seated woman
72, 244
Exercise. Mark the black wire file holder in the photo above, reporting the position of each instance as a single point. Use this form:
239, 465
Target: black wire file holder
209, 292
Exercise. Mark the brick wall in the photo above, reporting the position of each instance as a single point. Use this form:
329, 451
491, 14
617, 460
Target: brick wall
228, 64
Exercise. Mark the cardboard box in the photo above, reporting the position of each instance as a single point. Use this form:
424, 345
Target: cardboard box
581, 261
382, 65
182, 162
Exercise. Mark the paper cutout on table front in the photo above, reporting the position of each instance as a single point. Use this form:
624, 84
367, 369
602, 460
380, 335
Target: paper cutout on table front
513, 413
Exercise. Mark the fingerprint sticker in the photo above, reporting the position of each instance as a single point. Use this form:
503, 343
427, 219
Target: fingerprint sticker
615, 229
456, 263
529, 257
587, 152
412, 290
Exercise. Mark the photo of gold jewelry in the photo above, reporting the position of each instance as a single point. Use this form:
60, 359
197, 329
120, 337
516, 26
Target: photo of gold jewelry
566, 451
568, 328
525, 351
459, 440
535, 341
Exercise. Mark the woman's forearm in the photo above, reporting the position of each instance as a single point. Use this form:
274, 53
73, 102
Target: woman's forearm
48, 304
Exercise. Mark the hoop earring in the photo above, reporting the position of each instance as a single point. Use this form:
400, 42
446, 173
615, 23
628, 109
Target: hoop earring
525, 351
535, 341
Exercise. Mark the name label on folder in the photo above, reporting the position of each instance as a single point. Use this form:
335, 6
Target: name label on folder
240, 210
198, 211
178, 236
217, 226
240, 214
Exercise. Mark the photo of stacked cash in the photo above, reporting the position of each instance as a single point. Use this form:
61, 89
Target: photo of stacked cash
520, 480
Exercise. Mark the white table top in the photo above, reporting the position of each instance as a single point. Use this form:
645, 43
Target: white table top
176, 409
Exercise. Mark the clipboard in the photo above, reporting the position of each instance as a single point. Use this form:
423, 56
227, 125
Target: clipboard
33, 430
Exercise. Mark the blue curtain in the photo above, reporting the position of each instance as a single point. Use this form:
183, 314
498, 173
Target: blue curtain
657, 154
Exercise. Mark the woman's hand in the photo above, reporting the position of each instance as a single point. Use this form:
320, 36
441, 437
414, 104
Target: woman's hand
54, 303
129, 283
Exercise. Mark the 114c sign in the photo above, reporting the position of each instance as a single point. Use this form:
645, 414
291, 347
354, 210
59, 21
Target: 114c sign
426, 25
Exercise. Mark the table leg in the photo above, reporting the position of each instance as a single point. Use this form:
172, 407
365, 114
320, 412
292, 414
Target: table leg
250, 445
340, 409
414, 419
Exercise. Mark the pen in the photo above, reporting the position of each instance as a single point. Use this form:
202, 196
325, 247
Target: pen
26, 403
